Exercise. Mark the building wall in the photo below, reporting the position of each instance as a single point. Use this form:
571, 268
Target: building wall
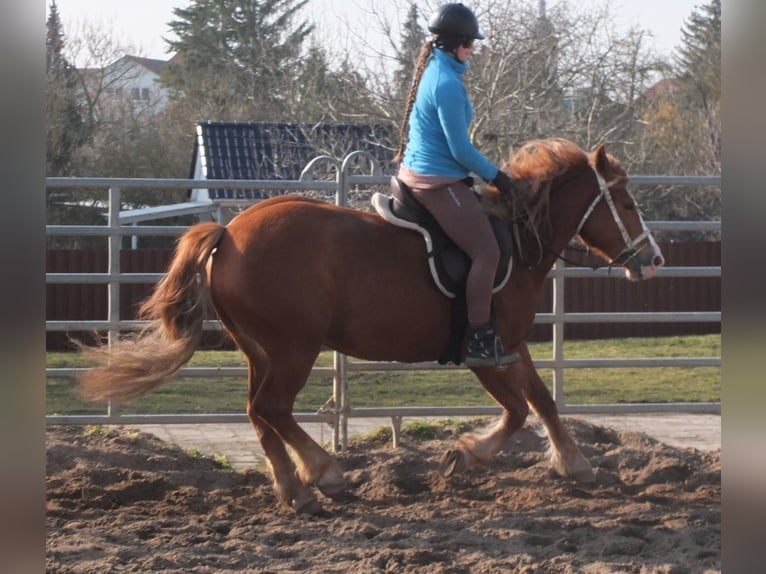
139, 84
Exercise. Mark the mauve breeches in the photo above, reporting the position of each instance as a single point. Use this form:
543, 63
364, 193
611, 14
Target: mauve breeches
458, 211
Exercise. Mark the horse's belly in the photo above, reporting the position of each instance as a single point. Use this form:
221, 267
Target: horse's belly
307, 272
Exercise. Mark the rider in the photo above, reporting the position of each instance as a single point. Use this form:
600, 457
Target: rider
437, 156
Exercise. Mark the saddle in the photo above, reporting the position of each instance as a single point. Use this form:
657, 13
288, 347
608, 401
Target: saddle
448, 264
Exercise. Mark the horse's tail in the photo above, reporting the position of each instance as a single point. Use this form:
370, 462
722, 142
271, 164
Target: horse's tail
135, 365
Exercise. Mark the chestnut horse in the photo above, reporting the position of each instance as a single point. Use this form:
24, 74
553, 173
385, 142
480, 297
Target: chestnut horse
291, 275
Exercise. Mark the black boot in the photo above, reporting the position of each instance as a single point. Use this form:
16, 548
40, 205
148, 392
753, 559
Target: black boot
486, 350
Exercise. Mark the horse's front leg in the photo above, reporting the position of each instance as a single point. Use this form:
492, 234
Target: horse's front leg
566, 457
473, 449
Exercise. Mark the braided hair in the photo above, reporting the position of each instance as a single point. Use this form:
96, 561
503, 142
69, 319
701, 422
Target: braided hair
420, 65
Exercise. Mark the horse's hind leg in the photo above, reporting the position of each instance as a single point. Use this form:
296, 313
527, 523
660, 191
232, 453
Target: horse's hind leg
289, 489
566, 457
474, 449
273, 404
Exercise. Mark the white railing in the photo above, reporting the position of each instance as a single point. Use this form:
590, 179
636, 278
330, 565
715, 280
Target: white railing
338, 409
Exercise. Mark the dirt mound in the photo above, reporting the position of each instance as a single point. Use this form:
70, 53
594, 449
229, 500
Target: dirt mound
124, 501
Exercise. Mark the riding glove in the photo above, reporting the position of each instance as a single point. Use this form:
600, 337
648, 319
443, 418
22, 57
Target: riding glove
503, 183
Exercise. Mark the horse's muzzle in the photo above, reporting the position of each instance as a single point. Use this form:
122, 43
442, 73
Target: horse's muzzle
643, 263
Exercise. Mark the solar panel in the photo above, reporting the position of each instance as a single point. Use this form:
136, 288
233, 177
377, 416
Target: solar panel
278, 151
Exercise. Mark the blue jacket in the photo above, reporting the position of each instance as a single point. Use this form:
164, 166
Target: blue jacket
438, 136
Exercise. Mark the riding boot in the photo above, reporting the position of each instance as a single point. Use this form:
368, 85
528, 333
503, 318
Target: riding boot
485, 348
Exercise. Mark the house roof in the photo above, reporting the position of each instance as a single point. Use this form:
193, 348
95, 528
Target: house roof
151, 64
665, 88
277, 150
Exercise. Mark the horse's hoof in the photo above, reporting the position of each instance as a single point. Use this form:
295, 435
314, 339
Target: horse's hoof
310, 506
337, 492
453, 461
584, 475
342, 497
332, 485
580, 470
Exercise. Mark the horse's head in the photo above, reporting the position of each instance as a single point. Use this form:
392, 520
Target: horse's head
612, 224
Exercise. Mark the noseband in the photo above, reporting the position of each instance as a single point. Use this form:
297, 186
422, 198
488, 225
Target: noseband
630, 251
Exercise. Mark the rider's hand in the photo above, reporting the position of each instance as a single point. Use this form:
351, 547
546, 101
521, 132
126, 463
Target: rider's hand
503, 184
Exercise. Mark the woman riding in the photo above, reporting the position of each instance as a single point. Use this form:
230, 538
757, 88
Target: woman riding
437, 156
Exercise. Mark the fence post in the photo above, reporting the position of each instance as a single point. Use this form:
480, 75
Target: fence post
340, 401
113, 294
339, 360
558, 334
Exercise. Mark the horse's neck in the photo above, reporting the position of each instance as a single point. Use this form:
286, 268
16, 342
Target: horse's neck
543, 246
538, 265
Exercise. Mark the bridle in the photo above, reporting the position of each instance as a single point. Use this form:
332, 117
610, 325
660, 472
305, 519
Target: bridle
605, 193
629, 251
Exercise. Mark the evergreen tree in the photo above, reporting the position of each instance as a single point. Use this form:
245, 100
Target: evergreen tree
66, 130
325, 93
699, 61
413, 37
699, 57
237, 55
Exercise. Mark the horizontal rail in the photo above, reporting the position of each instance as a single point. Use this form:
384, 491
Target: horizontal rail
684, 225
122, 325
104, 231
61, 182
128, 419
460, 411
569, 272
383, 366
68, 372
177, 230
541, 318
380, 412
685, 180
648, 317
583, 363
128, 183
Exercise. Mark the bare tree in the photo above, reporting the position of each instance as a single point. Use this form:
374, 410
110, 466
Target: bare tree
566, 72
125, 136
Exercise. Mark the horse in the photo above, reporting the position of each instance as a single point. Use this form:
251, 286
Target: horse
290, 276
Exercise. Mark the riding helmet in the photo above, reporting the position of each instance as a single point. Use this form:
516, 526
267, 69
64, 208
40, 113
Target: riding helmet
455, 19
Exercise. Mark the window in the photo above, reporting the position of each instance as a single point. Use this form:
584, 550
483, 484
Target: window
139, 94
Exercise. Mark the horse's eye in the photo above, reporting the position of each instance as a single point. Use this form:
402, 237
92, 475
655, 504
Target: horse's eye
630, 206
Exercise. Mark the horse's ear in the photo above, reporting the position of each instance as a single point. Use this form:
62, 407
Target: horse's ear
602, 162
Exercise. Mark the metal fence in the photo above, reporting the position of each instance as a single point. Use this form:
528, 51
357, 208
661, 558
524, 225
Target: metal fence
338, 409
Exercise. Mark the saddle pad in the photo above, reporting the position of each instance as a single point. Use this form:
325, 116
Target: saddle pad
448, 265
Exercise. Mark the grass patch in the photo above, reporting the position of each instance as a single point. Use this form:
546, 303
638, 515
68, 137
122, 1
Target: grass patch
223, 460
379, 436
195, 453
429, 388
95, 430
439, 429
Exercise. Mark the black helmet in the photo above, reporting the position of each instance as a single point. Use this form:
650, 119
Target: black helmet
455, 19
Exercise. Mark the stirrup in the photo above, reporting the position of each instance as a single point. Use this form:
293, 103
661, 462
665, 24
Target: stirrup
486, 350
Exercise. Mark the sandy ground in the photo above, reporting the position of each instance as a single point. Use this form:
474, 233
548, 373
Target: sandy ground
121, 500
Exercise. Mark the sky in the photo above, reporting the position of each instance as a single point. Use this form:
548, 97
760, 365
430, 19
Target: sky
141, 24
